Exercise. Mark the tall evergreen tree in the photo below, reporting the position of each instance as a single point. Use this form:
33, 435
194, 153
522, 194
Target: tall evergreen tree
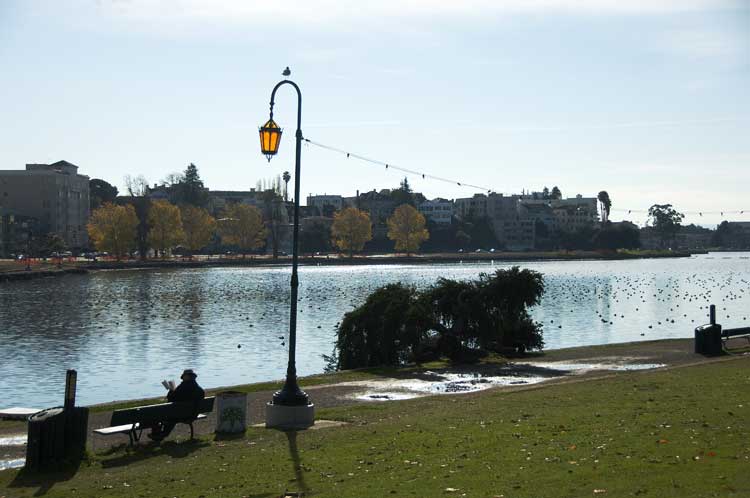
191, 190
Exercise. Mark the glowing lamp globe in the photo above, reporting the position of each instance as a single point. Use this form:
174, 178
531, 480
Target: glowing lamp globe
270, 136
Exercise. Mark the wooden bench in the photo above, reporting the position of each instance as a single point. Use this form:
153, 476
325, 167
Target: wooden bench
742, 332
133, 421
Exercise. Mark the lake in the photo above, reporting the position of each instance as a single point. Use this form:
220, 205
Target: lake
125, 331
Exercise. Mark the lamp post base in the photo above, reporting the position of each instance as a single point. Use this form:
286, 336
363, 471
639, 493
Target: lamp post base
287, 417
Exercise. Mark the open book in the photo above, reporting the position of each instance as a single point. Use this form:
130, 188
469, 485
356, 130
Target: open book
168, 384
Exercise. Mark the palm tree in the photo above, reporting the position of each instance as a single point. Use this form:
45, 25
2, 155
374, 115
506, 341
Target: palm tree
286, 176
605, 204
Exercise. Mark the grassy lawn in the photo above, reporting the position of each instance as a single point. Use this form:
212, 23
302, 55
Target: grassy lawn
682, 432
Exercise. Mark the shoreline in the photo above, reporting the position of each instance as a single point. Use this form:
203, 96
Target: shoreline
385, 259
673, 352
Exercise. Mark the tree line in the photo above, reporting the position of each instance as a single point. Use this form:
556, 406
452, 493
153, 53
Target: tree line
115, 228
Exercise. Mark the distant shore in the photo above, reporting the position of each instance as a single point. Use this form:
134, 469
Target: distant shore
11, 271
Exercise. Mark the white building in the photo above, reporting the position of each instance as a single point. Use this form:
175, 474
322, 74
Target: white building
438, 210
575, 213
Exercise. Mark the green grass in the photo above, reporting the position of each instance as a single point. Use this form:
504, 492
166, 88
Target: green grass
683, 432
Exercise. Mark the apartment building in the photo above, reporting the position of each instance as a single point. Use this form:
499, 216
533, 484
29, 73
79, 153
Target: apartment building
54, 194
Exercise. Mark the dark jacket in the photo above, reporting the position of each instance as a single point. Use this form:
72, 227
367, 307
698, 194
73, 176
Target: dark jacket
188, 390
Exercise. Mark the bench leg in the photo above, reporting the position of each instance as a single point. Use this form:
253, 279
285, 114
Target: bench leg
192, 432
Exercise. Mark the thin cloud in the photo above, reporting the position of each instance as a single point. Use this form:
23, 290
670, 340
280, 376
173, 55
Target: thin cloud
326, 12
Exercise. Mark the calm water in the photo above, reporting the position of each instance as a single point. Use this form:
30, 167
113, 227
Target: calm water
125, 331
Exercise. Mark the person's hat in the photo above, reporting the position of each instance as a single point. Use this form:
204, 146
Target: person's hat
189, 372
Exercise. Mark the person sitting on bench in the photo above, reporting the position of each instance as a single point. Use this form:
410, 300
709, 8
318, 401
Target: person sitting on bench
188, 390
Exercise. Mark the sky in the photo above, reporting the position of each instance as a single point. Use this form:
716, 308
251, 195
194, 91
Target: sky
646, 99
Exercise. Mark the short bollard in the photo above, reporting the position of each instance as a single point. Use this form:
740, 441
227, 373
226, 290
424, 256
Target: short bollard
231, 412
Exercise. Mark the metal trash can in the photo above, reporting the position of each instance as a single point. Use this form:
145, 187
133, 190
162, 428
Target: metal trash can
231, 412
708, 340
56, 435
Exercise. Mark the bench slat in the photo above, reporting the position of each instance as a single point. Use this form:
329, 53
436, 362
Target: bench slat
156, 413
736, 332
124, 429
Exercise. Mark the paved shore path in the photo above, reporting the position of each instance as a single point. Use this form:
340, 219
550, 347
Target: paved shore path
674, 353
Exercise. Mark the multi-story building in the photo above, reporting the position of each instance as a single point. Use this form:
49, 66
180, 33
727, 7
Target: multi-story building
439, 211
325, 203
471, 207
575, 213
54, 194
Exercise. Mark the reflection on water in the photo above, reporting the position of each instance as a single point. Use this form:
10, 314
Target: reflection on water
125, 331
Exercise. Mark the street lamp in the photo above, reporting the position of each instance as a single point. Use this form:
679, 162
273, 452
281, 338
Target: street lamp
291, 407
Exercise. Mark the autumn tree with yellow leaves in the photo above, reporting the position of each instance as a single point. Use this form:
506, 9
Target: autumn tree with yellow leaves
242, 226
406, 227
351, 229
198, 226
165, 224
112, 229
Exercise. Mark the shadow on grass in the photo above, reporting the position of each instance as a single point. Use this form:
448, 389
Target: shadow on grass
299, 475
44, 479
143, 452
219, 436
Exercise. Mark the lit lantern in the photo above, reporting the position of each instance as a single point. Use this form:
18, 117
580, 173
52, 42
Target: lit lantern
270, 136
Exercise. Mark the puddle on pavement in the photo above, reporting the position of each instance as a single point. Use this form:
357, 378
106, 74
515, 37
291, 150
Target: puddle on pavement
17, 440
457, 383
618, 367
12, 464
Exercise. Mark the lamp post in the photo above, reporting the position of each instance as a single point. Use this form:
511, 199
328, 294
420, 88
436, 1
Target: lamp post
291, 407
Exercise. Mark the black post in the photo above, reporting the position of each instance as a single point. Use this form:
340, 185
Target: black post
712, 314
291, 394
71, 378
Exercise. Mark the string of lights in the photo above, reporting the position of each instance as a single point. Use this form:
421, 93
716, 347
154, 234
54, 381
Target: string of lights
687, 213
427, 176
